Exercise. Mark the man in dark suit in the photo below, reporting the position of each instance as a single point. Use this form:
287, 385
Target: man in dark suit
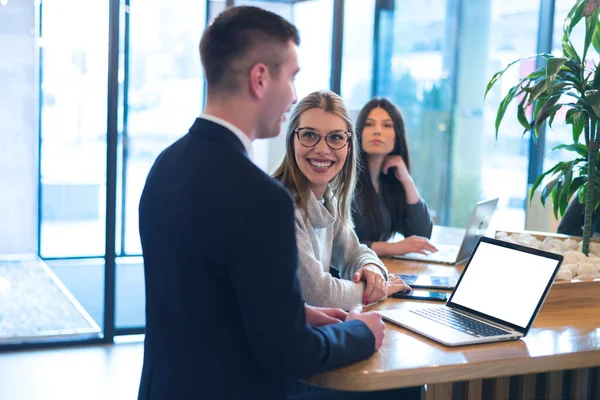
224, 314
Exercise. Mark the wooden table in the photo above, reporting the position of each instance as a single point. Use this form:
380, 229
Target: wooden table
557, 359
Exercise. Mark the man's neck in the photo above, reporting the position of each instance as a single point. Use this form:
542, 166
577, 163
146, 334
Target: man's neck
235, 112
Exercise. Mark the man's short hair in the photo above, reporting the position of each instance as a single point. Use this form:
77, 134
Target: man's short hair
233, 35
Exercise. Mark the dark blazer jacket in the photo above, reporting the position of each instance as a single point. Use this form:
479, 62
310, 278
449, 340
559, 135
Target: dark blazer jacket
224, 314
573, 220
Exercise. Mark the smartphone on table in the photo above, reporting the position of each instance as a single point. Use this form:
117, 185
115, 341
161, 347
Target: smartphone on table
421, 295
429, 281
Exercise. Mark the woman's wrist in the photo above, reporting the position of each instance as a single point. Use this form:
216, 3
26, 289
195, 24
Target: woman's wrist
407, 180
383, 249
412, 194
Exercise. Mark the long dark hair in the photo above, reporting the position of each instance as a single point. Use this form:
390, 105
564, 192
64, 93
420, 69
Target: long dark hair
392, 191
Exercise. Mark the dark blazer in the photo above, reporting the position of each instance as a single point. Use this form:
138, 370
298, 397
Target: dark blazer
416, 221
573, 220
224, 314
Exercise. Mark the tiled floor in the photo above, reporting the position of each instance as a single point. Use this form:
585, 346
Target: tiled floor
110, 372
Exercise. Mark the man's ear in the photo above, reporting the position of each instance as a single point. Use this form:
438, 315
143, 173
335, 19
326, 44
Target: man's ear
259, 80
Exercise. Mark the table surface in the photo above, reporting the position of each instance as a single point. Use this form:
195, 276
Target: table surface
565, 335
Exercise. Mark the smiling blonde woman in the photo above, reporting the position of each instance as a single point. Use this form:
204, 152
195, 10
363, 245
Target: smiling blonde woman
319, 169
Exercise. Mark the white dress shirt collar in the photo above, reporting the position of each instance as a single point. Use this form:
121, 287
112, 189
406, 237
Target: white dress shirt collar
236, 131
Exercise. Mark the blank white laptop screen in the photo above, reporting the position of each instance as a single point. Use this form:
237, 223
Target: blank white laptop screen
504, 283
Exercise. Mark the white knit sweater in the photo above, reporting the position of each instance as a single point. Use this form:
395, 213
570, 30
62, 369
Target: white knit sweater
325, 242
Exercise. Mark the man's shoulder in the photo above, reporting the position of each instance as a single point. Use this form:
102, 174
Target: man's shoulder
262, 186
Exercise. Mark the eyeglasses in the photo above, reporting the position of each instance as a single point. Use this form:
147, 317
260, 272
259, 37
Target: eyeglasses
309, 137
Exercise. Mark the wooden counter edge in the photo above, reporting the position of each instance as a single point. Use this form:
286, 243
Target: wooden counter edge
390, 379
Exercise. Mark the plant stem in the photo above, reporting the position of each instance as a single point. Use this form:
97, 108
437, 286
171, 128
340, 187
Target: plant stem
586, 130
591, 191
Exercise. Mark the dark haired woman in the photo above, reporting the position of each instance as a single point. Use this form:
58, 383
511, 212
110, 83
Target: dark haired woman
386, 200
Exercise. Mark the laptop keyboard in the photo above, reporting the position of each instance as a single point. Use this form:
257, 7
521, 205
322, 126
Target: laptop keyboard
451, 318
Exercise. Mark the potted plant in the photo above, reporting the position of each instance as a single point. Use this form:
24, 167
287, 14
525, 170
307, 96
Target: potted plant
572, 83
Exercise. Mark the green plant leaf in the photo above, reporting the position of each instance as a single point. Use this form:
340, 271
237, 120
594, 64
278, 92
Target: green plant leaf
548, 189
539, 180
552, 115
503, 105
582, 103
575, 185
536, 74
573, 17
552, 112
556, 169
582, 193
596, 81
555, 195
536, 91
593, 99
563, 200
580, 149
544, 108
590, 29
596, 38
573, 66
575, 118
569, 76
569, 50
537, 120
499, 74
553, 66
521, 115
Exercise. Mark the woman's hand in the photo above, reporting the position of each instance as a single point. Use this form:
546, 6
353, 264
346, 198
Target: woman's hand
414, 244
398, 165
376, 288
396, 284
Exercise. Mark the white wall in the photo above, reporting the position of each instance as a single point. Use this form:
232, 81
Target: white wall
18, 127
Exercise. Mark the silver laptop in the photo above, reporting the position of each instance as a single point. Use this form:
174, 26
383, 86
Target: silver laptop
449, 254
497, 297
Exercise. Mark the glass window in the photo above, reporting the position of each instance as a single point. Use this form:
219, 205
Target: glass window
18, 128
215, 8
130, 295
357, 55
164, 92
498, 32
314, 22
73, 128
415, 60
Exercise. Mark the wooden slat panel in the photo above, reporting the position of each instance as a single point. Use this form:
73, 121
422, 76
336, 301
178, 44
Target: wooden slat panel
579, 384
501, 388
554, 384
459, 390
440, 391
474, 389
526, 387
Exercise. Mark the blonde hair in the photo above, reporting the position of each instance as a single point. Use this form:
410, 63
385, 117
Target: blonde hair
342, 185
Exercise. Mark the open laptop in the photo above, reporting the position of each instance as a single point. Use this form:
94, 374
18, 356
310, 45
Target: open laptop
497, 297
449, 254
